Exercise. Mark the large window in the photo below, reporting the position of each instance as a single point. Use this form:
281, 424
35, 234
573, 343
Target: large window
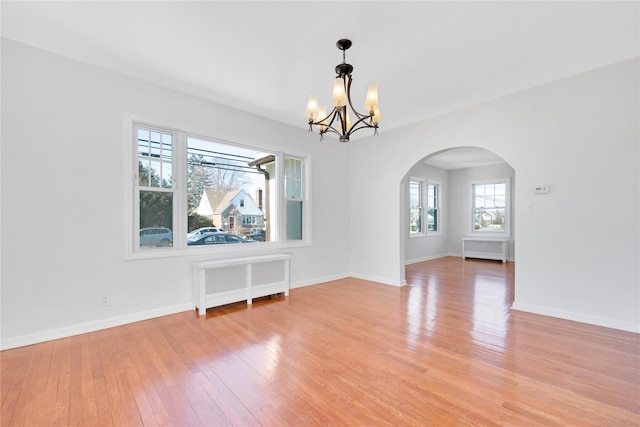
187, 187
416, 208
490, 202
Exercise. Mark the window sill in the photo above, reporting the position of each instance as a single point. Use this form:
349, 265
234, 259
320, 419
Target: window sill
218, 250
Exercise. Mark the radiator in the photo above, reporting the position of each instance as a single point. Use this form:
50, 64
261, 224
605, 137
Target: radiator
486, 248
227, 281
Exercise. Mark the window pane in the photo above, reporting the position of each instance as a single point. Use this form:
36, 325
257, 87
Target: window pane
415, 193
292, 178
415, 207
293, 194
432, 220
155, 159
415, 220
432, 207
490, 207
294, 220
156, 219
225, 191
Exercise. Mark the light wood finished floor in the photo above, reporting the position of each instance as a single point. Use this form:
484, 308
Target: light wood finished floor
444, 350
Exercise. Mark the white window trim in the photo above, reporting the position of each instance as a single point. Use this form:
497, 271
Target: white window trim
423, 188
181, 132
439, 207
507, 221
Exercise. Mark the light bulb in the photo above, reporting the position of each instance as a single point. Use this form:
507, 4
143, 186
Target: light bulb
312, 106
371, 101
339, 96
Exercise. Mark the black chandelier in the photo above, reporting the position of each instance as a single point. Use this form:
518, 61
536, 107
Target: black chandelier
338, 120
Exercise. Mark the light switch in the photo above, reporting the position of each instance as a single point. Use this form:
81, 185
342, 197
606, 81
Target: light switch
528, 209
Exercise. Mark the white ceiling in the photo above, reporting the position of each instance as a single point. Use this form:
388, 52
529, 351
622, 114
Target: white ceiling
267, 57
466, 157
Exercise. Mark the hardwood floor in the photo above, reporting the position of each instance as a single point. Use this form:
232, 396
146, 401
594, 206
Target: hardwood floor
444, 350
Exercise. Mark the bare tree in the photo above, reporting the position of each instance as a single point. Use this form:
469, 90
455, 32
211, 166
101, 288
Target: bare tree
219, 175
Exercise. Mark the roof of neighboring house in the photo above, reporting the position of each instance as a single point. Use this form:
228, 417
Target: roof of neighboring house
214, 198
220, 201
226, 200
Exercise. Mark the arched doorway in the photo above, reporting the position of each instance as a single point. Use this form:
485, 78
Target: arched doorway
437, 204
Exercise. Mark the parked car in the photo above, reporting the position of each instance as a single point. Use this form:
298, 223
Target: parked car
217, 238
203, 230
156, 236
257, 236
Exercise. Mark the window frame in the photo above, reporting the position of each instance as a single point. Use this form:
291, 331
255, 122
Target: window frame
180, 133
507, 215
422, 231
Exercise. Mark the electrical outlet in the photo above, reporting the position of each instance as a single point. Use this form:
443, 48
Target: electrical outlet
106, 300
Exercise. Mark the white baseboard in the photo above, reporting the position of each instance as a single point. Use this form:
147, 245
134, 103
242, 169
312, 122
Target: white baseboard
54, 334
398, 283
577, 317
317, 281
428, 258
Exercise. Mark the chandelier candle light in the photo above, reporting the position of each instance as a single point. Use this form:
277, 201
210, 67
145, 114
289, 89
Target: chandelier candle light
338, 120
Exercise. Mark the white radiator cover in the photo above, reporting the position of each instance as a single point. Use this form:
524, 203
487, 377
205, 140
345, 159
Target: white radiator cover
226, 281
485, 248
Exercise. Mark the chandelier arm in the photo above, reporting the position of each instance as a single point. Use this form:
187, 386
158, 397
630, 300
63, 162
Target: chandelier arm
363, 123
332, 129
364, 126
359, 115
332, 113
343, 120
328, 127
340, 122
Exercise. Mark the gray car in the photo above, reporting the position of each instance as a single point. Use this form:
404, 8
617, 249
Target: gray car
202, 230
156, 236
214, 239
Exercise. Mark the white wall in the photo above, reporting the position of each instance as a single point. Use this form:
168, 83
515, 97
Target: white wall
580, 135
64, 193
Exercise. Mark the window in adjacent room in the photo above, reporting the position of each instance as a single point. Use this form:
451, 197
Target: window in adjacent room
416, 210
490, 211
433, 208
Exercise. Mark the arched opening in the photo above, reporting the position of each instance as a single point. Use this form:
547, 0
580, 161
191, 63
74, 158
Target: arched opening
455, 194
